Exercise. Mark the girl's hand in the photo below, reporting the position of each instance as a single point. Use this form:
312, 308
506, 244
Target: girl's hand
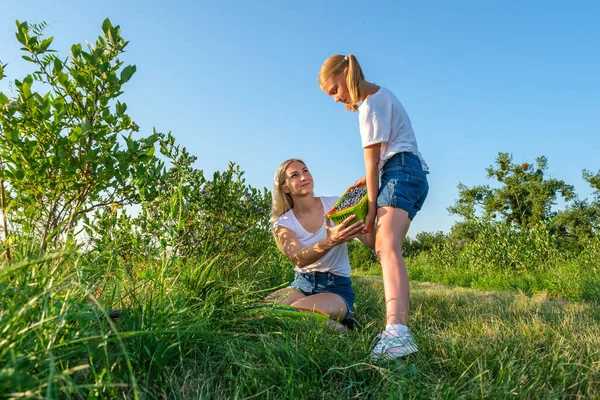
361, 182
343, 232
370, 221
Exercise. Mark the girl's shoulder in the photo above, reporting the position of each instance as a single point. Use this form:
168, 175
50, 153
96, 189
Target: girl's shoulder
380, 98
382, 101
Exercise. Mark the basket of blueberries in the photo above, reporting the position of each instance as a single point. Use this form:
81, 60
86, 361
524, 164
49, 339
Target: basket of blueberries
354, 201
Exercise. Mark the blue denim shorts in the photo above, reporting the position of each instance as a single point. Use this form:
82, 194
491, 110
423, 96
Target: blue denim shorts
325, 282
403, 184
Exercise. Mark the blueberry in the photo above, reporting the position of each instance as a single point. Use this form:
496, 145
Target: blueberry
352, 198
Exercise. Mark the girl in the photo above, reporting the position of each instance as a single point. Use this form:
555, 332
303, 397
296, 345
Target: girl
396, 183
319, 251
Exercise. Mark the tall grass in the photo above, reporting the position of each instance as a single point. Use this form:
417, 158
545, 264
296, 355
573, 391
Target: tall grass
58, 339
187, 327
473, 345
187, 330
503, 258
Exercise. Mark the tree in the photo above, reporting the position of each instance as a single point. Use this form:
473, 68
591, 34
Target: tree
525, 197
581, 219
61, 154
594, 181
423, 241
360, 256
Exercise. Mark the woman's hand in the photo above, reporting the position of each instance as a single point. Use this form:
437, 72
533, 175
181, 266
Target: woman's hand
360, 182
342, 232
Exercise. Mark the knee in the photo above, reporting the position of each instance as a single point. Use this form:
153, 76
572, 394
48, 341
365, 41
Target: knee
387, 249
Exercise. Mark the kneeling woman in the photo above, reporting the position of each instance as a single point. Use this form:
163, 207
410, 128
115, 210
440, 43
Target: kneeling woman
318, 249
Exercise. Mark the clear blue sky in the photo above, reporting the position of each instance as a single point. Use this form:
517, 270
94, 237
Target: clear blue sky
237, 80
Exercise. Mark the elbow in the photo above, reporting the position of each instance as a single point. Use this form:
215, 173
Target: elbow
300, 263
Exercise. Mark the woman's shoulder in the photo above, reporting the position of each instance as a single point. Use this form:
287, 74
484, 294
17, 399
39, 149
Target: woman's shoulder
285, 220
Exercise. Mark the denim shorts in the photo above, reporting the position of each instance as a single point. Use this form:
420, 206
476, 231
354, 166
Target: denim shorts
325, 282
403, 184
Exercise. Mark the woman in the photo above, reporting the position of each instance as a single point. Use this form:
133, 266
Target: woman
319, 250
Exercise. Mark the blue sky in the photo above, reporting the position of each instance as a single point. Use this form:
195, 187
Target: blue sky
237, 81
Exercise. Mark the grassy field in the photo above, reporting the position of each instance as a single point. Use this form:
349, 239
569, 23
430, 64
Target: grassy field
473, 345
183, 335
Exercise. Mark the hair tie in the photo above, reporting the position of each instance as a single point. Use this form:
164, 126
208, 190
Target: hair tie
345, 58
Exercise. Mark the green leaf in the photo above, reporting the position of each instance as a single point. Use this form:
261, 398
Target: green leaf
3, 98
120, 107
19, 174
26, 90
27, 58
76, 51
12, 135
45, 44
63, 79
85, 125
75, 135
127, 72
130, 143
106, 25
22, 32
58, 65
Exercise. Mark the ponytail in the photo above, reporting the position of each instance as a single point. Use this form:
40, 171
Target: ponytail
353, 79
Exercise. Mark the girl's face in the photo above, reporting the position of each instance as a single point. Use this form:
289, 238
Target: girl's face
336, 88
298, 180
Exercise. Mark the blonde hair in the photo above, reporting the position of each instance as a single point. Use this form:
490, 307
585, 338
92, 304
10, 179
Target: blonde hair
334, 66
282, 202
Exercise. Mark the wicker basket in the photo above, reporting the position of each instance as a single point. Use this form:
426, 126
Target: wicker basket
360, 210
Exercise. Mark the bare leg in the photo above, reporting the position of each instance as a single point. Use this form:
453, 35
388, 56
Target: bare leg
284, 296
392, 226
328, 303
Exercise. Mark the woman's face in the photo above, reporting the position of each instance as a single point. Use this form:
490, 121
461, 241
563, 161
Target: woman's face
336, 87
298, 180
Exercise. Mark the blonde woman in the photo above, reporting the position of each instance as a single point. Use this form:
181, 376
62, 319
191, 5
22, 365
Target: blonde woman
396, 183
319, 250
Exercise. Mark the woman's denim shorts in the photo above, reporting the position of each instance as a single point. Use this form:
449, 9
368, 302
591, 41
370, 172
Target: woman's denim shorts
403, 184
325, 282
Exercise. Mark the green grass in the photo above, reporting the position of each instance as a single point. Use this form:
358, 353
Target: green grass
473, 345
501, 258
568, 279
186, 335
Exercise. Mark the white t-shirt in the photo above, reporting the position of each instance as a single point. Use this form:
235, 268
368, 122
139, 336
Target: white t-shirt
384, 120
335, 260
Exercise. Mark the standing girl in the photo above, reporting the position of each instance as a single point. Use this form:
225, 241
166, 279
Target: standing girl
396, 183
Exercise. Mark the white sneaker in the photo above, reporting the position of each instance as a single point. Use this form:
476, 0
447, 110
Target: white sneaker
392, 346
